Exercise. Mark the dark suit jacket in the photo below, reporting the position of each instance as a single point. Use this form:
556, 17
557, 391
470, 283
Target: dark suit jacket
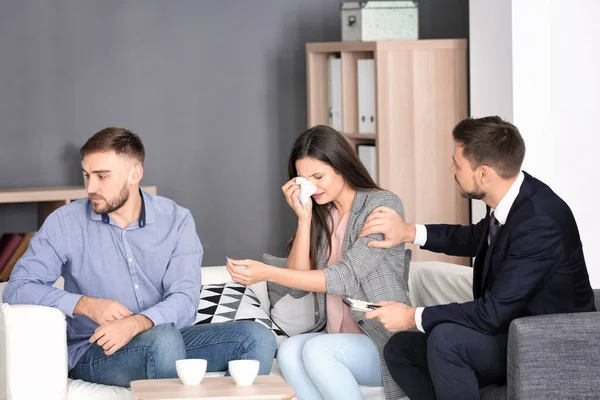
533, 266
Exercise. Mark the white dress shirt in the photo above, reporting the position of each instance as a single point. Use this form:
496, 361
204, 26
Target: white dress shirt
501, 214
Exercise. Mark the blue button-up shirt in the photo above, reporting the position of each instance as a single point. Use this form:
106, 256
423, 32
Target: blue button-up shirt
152, 266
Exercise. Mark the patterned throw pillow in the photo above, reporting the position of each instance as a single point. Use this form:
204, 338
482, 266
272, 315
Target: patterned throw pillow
232, 301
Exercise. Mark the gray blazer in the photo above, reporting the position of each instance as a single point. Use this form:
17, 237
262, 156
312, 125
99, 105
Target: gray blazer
365, 273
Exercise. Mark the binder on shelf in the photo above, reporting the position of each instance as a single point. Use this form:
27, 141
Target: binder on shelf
368, 155
334, 92
365, 70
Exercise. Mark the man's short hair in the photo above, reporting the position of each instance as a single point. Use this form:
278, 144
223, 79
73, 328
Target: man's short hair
119, 140
493, 142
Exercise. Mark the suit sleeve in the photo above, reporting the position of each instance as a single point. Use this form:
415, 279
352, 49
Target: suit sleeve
455, 240
534, 253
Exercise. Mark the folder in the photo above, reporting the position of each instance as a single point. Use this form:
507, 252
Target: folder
366, 96
334, 92
368, 156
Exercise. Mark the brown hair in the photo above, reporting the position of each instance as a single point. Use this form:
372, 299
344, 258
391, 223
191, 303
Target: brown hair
329, 146
119, 140
491, 141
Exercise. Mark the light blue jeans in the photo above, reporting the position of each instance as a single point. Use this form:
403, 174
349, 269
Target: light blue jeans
152, 354
329, 366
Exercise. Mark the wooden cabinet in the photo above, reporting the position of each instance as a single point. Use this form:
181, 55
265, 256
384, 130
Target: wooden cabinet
421, 93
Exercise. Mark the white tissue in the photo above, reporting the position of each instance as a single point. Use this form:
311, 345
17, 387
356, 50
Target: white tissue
307, 189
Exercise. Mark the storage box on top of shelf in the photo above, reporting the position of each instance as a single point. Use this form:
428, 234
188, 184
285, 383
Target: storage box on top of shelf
369, 21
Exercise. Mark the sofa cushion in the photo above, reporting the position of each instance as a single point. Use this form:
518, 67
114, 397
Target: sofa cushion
436, 282
292, 315
79, 389
232, 301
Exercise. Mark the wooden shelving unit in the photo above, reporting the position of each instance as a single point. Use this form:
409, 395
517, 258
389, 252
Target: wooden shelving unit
50, 198
421, 93
361, 136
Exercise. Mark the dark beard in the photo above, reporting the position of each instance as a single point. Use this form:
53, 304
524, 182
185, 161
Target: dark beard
477, 194
115, 204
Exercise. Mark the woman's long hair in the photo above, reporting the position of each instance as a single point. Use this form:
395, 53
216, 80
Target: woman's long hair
329, 146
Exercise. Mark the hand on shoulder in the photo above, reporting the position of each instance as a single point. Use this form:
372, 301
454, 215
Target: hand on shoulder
388, 222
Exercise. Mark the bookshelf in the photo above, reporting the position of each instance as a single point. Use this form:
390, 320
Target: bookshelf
49, 198
420, 95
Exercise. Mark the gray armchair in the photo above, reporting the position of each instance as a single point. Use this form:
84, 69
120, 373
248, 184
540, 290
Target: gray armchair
552, 357
555, 356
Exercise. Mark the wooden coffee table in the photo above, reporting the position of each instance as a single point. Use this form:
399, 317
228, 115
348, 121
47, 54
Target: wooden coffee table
265, 387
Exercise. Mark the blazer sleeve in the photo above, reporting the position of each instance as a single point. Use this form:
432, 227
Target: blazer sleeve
455, 240
361, 261
534, 252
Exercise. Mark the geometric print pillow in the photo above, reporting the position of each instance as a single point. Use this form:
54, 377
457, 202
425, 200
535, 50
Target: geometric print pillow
231, 301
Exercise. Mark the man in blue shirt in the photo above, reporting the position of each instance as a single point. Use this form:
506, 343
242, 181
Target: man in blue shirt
131, 266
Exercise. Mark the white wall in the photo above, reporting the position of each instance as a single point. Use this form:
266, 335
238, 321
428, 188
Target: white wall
490, 55
554, 75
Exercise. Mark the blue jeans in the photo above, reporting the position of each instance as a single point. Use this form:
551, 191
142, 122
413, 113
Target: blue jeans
329, 366
152, 354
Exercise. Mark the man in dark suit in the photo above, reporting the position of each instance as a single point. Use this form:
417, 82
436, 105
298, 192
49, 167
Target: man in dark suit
528, 261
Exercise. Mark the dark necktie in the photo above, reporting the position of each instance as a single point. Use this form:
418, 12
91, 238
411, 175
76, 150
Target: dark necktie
494, 226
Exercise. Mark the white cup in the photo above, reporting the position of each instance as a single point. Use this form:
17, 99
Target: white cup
244, 372
191, 371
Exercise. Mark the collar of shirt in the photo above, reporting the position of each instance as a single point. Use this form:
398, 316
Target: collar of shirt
147, 215
503, 208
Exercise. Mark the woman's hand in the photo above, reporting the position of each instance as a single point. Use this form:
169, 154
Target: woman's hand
291, 191
254, 271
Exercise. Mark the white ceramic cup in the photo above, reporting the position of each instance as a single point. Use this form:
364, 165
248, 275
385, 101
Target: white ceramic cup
244, 372
191, 371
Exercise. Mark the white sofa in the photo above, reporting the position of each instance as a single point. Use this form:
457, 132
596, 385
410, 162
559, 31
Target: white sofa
33, 350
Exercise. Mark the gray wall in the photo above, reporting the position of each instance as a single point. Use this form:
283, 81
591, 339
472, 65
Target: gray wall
216, 89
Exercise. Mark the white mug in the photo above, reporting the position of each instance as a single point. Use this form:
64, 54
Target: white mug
244, 372
191, 371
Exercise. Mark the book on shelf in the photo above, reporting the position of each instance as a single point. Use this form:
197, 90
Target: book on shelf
16, 254
334, 91
368, 155
8, 244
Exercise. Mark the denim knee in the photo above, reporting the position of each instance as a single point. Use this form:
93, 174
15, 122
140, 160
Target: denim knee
287, 348
257, 335
289, 352
317, 349
166, 346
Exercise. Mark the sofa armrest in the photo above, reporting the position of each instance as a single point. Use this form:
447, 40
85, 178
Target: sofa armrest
554, 356
33, 353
